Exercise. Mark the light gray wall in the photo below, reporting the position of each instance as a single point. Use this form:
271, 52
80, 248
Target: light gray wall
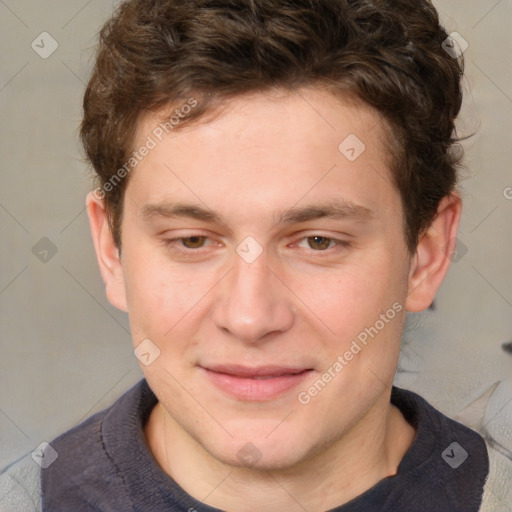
65, 352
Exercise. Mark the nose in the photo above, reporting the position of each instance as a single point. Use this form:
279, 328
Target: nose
253, 303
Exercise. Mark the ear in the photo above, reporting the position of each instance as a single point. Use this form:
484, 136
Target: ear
107, 253
432, 258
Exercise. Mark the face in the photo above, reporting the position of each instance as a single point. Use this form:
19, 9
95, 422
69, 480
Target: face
268, 268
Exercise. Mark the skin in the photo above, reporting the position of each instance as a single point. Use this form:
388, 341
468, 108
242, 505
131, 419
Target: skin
300, 303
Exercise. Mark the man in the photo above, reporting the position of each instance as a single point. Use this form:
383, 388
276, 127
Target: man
276, 189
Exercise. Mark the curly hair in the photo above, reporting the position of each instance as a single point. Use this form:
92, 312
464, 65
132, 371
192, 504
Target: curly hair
156, 54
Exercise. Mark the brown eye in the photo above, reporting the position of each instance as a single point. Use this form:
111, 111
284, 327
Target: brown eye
193, 242
319, 243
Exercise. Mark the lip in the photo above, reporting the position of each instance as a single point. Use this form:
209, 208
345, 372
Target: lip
255, 383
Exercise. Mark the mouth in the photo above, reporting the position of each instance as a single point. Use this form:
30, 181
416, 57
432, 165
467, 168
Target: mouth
255, 383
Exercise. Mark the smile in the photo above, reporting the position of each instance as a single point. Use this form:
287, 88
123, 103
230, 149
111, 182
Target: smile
255, 384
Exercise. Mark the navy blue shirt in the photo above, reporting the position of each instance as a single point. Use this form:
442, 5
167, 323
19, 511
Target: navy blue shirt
105, 465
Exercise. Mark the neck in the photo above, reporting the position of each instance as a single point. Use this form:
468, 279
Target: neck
346, 467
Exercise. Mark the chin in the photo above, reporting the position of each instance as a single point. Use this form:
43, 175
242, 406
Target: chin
260, 452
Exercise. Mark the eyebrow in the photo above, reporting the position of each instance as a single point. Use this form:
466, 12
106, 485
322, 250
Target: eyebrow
337, 210
180, 210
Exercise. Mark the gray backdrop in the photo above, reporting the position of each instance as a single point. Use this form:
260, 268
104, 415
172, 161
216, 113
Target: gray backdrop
66, 353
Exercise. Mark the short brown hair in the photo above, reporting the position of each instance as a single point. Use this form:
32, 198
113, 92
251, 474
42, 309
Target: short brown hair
387, 53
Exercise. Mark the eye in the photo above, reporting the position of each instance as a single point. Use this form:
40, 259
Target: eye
193, 242
320, 243
187, 244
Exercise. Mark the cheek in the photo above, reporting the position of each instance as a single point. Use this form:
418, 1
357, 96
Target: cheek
345, 301
158, 296
167, 302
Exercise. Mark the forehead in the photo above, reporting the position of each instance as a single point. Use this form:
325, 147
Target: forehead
262, 149
304, 112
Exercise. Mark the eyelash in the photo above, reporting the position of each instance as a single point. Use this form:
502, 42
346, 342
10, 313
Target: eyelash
174, 244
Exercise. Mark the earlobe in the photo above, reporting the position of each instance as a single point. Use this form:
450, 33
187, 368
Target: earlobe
433, 255
107, 253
